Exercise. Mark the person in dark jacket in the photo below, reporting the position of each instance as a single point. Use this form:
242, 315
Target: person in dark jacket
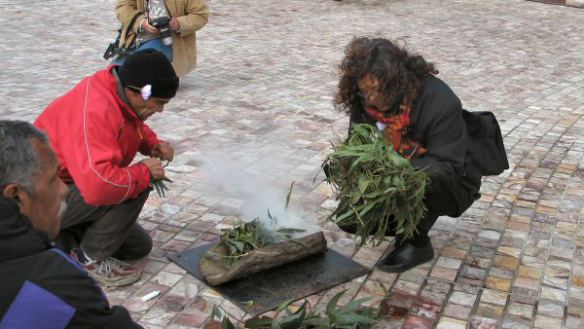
382, 84
41, 286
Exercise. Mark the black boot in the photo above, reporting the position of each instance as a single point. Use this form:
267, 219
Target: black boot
407, 255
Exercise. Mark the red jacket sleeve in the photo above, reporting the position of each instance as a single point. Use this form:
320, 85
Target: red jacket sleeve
93, 165
150, 140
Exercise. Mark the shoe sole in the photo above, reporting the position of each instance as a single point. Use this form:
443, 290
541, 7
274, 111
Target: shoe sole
127, 280
401, 270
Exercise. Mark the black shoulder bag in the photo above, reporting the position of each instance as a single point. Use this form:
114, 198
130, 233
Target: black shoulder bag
488, 151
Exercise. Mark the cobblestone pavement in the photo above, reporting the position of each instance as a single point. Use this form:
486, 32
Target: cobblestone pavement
257, 114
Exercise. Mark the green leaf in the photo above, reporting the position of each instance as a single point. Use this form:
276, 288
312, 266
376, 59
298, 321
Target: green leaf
240, 246
216, 313
366, 209
157, 188
289, 230
290, 321
355, 304
284, 305
289, 195
227, 324
261, 322
344, 319
276, 324
332, 305
316, 323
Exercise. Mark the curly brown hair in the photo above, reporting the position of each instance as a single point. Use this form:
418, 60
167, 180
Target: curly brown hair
400, 74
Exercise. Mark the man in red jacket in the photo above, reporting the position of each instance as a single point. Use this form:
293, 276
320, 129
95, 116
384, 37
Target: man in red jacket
96, 129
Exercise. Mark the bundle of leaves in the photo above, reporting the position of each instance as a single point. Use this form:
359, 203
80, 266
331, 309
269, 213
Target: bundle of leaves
377, 187
160, 187
241, 239
351, 316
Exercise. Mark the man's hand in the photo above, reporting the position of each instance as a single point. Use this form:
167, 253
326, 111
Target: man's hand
174, 24
163, 151
146, 27
155, 168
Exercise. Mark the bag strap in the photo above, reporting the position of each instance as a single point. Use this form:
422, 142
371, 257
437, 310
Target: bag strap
132, 21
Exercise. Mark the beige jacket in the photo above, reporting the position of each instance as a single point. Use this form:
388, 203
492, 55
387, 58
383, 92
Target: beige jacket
192, 15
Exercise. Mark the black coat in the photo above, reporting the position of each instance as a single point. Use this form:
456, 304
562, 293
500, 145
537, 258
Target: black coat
41, 287
437, 124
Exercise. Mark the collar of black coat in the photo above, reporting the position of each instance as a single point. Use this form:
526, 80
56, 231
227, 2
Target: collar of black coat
18, 238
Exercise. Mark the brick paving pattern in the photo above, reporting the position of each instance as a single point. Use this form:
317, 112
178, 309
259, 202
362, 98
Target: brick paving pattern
259, 105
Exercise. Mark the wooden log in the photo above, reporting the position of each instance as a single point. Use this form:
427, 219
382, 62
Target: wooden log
260, 259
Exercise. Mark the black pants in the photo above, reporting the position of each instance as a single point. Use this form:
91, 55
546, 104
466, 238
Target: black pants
438, 203
106, 230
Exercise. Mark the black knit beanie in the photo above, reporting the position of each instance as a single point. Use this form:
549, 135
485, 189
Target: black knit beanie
149, 67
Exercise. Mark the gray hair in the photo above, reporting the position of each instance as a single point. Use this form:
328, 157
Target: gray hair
19, 161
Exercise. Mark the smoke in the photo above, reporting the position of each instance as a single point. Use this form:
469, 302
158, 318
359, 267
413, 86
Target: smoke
257, 179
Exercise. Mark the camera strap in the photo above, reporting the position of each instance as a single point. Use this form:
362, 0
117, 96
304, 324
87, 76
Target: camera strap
132, 22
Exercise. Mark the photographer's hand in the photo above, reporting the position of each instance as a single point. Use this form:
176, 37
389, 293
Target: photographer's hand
146, 27
174, 25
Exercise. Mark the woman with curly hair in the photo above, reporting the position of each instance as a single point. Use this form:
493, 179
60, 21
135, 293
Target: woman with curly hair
382, 84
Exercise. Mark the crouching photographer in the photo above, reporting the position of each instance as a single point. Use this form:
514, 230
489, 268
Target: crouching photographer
168, 26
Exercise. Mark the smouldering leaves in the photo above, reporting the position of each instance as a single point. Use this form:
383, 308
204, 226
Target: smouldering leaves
241, 239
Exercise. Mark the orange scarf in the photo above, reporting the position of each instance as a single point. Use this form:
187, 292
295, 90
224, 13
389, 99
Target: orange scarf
396, 131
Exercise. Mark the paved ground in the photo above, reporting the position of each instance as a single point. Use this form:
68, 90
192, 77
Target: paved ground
257, 114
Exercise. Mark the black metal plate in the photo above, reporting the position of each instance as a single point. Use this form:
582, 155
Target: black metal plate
270, 288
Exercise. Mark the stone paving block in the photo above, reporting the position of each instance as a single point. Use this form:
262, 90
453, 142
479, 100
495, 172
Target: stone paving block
498, 283
449, 263
550, 309
416, 275
472, 275
545, 322
450, 323
553, 294
443, 273
457, 311
494, 297
165, 310
135, 305
514, 322
507, 262
191, 317
482, 263
418, 322
490, 311
375, 287
479, 322
463, 299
